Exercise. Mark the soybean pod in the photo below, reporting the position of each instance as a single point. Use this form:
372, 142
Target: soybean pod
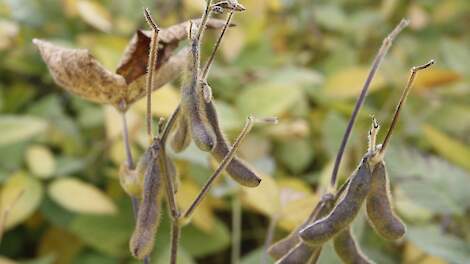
283, 246
237, 168
148, 216
347, 249
345, 210
181, 138
379, 208
192, 98
299, 254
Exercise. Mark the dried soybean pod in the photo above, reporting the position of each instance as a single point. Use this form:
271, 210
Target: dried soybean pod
347, 249
345, 210
148, 216
379, 208
192, 98
283, 246
280, 248
182, 136
237, 168
299, 254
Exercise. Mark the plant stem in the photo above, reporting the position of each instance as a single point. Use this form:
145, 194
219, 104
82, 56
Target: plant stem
227, 159
152, 62
387, 43
402, 100
131, 165
175, 238
171, 199
216, 47
236, 229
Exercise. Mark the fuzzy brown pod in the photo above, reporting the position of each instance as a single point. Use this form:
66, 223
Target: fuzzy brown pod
344, 211
283, 246
148, 216
181, 137
299, 254
238, 169
347, 248
379, 207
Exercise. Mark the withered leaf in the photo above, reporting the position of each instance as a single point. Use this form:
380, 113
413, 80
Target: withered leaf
133, 63
78, 72
166, 73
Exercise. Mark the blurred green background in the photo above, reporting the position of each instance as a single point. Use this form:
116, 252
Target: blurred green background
303, 61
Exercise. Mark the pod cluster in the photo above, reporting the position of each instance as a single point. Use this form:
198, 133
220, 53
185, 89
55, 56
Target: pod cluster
368, 184
197, 118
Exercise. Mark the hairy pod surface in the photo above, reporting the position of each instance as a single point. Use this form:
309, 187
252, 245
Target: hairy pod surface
347, 249
237, 168
283, 246
299, 254
148, 216
182, 135
192, 105
345, 210
379, 208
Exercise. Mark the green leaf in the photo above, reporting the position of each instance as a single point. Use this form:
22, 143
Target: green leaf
80, 197
436, 243
430, 182
15, 128
183, 256
255, 257
267, 99
107, 234
20, 197
296, 154
198, 243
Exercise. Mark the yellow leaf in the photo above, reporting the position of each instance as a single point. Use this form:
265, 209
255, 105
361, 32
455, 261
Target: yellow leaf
95, 14
434, 77
265, 198
78, 196
294, 184
297, 201
451, 149
21, 195
296, 211
40, 161
416, 256
348, 82
113, 122
233, 43
63, 245
203, 217
4, 260
164, 101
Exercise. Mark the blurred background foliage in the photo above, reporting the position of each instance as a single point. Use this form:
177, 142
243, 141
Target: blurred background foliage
304, 61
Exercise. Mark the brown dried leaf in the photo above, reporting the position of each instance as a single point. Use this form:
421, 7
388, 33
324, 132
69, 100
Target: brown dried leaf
166, 73
78, 72
133, 63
